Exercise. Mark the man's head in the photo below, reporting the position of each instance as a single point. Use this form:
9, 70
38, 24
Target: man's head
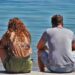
57, 20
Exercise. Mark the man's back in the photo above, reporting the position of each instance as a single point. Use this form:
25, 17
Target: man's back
60, 46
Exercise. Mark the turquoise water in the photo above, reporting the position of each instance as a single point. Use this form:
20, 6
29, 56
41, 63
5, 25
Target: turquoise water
36, 15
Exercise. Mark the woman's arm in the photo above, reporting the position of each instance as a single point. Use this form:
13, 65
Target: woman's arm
3, 43
2, 52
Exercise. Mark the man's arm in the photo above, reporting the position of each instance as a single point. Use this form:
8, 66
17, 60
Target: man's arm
41, 44
73, 46
73, 43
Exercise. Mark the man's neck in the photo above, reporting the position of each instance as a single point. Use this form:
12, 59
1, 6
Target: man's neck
60, 26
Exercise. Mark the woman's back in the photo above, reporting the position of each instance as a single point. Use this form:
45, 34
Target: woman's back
16, 44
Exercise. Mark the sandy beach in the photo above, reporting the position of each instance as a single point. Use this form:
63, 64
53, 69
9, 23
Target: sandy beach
39, 73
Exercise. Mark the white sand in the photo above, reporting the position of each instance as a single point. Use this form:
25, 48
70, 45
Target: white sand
40, 73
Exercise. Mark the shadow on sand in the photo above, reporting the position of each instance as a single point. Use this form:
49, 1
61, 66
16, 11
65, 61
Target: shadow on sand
5, 72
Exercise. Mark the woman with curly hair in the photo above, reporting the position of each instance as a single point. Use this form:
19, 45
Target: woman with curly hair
15, 50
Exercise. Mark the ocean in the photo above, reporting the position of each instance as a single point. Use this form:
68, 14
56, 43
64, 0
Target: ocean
36, 15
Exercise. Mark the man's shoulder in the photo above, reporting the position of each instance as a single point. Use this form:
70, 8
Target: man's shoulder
68, 30
53, 30
50, 30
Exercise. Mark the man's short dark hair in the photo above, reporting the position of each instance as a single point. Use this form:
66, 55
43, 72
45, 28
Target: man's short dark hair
56, 20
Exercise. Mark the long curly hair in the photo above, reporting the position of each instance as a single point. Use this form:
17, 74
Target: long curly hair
18, 27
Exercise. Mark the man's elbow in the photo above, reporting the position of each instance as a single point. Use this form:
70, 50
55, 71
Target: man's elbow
73, 47
38, 47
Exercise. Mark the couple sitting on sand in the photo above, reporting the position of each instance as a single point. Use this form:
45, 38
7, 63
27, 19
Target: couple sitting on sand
54, 48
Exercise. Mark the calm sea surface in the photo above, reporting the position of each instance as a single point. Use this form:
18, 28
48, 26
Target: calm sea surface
36, 15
